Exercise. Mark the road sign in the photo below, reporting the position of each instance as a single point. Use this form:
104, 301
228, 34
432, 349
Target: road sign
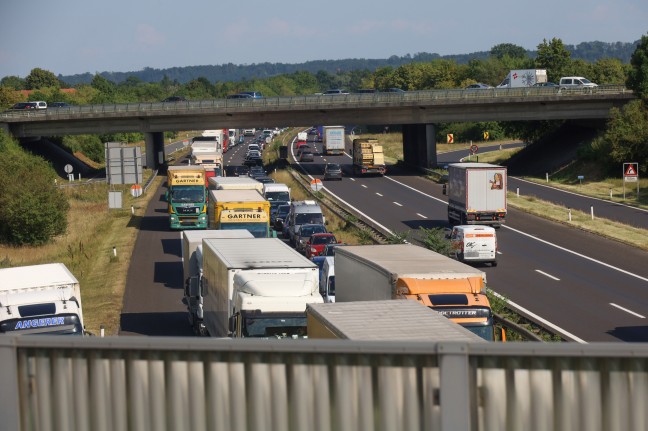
486, 136
185, 143
450, 138
136, 190
68, 169
474, 148
316, 185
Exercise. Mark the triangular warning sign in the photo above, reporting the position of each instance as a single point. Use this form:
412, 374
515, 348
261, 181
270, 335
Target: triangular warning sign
631, 172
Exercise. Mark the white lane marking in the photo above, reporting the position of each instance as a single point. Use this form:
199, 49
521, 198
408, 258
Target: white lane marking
545, 322
352, 179
379, 194
421, 215
547, 275
396, 203
577, 254
627, 311
363, 186
498, 252
578, 194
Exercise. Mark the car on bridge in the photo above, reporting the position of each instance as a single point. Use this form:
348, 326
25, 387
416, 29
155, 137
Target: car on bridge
478, 86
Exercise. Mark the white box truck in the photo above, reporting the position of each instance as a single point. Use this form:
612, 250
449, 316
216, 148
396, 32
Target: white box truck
520, 78
406, 271
333, 140
40, 299
192, 269
476, 194
256, 288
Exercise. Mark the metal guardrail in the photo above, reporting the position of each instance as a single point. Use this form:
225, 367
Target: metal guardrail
168, 383
313, 101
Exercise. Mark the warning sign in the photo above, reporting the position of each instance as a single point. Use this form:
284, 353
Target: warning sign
450, 138
486, 136
630, 172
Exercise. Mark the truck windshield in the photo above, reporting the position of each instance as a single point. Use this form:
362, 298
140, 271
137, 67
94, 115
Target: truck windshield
274, 326
258, 230
187, 194
278, 196
485, 332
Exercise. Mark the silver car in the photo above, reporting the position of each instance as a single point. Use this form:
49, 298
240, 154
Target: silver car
332, 171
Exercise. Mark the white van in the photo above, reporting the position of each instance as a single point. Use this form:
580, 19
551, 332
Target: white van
474, 243
327, 280
575, 82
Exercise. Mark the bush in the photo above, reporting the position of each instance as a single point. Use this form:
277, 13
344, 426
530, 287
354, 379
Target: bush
32, 209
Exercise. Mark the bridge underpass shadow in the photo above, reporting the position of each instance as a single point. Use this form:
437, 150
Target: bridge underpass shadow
169, 274
155, 324
630, 334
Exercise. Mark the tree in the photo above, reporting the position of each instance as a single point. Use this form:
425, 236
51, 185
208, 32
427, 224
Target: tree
8, 97
508, 50
638, 75
627, 134
40, 78
554, 57
105, 88
13, 82
32, 210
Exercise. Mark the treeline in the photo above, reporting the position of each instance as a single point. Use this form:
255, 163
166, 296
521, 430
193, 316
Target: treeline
587, 51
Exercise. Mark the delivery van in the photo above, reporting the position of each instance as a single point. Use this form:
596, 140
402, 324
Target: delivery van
474, 243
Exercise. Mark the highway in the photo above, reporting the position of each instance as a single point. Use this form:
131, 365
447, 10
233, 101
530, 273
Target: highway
588, 287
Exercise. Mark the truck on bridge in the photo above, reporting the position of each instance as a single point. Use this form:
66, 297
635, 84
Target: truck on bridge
520, 78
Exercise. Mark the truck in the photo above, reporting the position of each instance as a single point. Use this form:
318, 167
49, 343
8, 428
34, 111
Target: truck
192, 270
186, 197
520, 78
368, 157
235, 183
40, 299
390, 321
256, 288
407, 271
302, 137
476, 194
333, 140
207, 151
240, 209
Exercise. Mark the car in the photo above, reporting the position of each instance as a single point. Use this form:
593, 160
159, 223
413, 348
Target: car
254, 153
58, 105
173, 99
332, 171
335, 91
393, 90
241, 171
280, 216
366, 91
545, 84
253, 94
253, 160
265, 179
315, 244
567, 82
239, 96
329, 249
23, 105
306, 156
304, 233
303, 147
478, 86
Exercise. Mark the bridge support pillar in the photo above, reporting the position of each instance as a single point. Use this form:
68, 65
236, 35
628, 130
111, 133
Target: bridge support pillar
419, 145
154, 149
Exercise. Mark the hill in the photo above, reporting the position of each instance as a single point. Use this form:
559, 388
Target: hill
587, 51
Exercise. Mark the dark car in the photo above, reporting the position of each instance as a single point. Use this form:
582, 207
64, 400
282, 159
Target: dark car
241, 171
24, 105
173, 99
253, 94
333, 171
303, 147
366, 91
59, 105
545, 84
306, 156
253, 160
393, 90
335, 91
279, 216
264, 179
329, 249
304, 233
478, 86
240, 96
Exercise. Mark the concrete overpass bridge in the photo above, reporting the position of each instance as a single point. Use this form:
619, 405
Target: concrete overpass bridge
416, 111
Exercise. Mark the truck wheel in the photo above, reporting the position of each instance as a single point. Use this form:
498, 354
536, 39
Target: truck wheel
494, 263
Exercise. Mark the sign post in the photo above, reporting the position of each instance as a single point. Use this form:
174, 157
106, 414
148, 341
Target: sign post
631, 175
316, 185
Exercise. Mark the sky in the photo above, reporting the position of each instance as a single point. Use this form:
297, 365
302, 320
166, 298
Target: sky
69, 37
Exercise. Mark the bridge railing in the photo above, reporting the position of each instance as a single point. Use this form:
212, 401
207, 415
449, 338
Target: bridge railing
332, 101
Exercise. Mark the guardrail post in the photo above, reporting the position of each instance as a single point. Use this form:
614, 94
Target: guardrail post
456, 407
